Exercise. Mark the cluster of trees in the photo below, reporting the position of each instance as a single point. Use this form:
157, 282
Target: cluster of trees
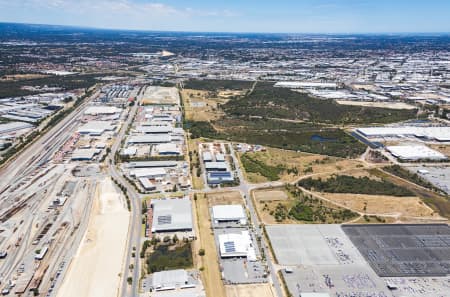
272, 102
253, 165
200, 129
165, 257
124, 191
354, 185
410, 176
213, 85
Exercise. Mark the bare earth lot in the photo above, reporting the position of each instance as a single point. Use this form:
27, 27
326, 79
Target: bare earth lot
224, 198
259, 290
95, 269
270, 195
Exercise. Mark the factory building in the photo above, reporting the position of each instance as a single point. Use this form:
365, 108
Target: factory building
216, 166
101, 110
147, 184
219, 177
96, 128
237, 245
171, 280
84, 154
13, 127
151, 173
415, 153
172, 215
229, 213
150, 139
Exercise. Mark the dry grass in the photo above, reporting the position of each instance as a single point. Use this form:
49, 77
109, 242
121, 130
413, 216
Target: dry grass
383, 205
270, 195
199, 106
445, 149
305, 163
224, 198
253, 290
211, 276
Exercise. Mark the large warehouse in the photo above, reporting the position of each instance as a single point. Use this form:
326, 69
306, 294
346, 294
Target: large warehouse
415, 153
237, 245
170, 280
97, 110
441, 134
172, 215
150, 138
229, 213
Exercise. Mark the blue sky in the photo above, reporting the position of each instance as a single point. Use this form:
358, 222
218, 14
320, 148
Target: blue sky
289, 16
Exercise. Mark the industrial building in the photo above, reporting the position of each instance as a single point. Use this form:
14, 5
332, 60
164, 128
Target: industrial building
440, 134
172, 215
147, 184
219, 177
216, 166
96, 128
144, 164
152, 172
101, 110
229, 213
171, 280
415, 153
84, 154
237, 245
14, 127
150, 139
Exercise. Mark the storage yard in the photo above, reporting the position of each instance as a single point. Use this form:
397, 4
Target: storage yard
56, 204
333, 259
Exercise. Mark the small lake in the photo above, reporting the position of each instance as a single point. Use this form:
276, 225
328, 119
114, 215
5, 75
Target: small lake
319, 138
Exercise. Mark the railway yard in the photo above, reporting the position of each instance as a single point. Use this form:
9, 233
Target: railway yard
47, 197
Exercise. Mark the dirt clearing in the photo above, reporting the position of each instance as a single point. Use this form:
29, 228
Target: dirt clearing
95, 269
225, 198
258, 290
271, 195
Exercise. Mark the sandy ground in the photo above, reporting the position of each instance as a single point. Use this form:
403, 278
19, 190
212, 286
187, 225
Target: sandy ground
95, 269
270, 195
225, 198
391, 105
254, 290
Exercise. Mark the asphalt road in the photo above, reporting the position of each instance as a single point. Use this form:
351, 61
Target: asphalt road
134, 233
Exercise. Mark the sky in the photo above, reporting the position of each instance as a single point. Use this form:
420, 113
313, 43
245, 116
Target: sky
282, 16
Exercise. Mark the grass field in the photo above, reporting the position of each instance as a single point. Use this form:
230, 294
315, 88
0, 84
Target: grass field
437, 202
199, 106
298, 164
297, 208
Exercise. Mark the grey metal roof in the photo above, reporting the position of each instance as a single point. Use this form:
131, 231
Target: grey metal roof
171, 215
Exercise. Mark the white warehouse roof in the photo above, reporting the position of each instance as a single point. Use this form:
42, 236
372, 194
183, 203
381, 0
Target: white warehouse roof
229, 213
434, 133
159, 138
95, 110
96, 127
171, 215
14, 126
152, 172
169, 279
306, 84
237, 245
415, 152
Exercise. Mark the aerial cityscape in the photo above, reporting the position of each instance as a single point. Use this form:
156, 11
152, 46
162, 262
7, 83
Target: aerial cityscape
144, 160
